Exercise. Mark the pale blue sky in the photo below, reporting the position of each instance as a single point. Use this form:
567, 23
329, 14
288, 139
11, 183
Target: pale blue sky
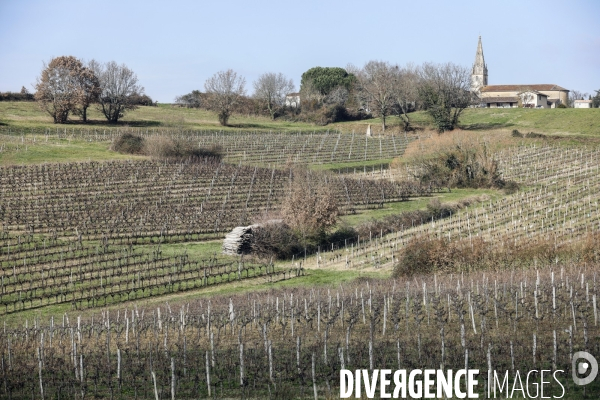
174, 46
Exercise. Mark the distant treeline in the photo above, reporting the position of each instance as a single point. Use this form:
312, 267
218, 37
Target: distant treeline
15, 96
137, 99
140, 100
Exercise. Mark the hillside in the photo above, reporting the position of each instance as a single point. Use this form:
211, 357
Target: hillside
120, 259
26, 115
22, 115
566, 121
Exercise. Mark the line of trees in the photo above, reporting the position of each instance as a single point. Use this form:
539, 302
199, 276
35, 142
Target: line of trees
23, 95
67, 85
330, 94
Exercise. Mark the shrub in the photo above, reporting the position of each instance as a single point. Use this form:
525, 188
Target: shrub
313, 112
275, 239
467, 166
425, 254
440, 210
510, 187
516, 133
159, 147
164, 147
128, 143
460, 159
533, 135
280, 241
310, 208
561, 106
590, 252
344, 233
422, 255
141, 100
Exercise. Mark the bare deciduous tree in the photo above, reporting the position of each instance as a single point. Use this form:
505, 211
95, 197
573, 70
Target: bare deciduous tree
444, 90
377, 82
339, 95
271, 89
57, 89
224, 89
405, 92
119, 84
89, 91
310, 206
596, 99
310, 97
527, 97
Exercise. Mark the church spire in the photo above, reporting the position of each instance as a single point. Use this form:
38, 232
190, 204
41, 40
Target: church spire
479, 73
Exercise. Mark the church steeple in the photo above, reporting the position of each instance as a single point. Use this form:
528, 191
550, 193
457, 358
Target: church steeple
479, 74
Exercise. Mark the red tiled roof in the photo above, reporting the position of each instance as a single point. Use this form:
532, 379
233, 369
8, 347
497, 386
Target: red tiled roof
520, 88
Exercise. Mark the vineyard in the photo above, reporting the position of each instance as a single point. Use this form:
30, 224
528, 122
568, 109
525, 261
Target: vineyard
38, 273
559, 205
252, 148
141, 202
88, 234
148, 200
91, 234
292, 343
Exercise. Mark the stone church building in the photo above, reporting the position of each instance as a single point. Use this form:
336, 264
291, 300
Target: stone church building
508, 96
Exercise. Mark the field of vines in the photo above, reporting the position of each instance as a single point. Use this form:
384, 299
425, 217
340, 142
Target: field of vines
39, 272
558, 203
149, 200
292, 343
252, 148
89, 234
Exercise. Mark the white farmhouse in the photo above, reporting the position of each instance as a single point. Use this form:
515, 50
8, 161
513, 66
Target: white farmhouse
534, 99
292, 100
582, 104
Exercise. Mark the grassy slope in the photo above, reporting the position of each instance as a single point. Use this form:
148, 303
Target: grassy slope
552, 121
27, 115
63, 150
416, 204
24, 115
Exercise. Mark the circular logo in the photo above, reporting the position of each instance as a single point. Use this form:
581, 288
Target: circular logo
584, 364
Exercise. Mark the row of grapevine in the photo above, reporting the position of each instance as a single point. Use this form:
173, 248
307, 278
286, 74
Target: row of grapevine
148, 201
559, 203
34, 275
292, 343
255, 148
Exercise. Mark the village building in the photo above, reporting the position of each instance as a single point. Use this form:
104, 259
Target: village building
537, 95
582, 104
292, 100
